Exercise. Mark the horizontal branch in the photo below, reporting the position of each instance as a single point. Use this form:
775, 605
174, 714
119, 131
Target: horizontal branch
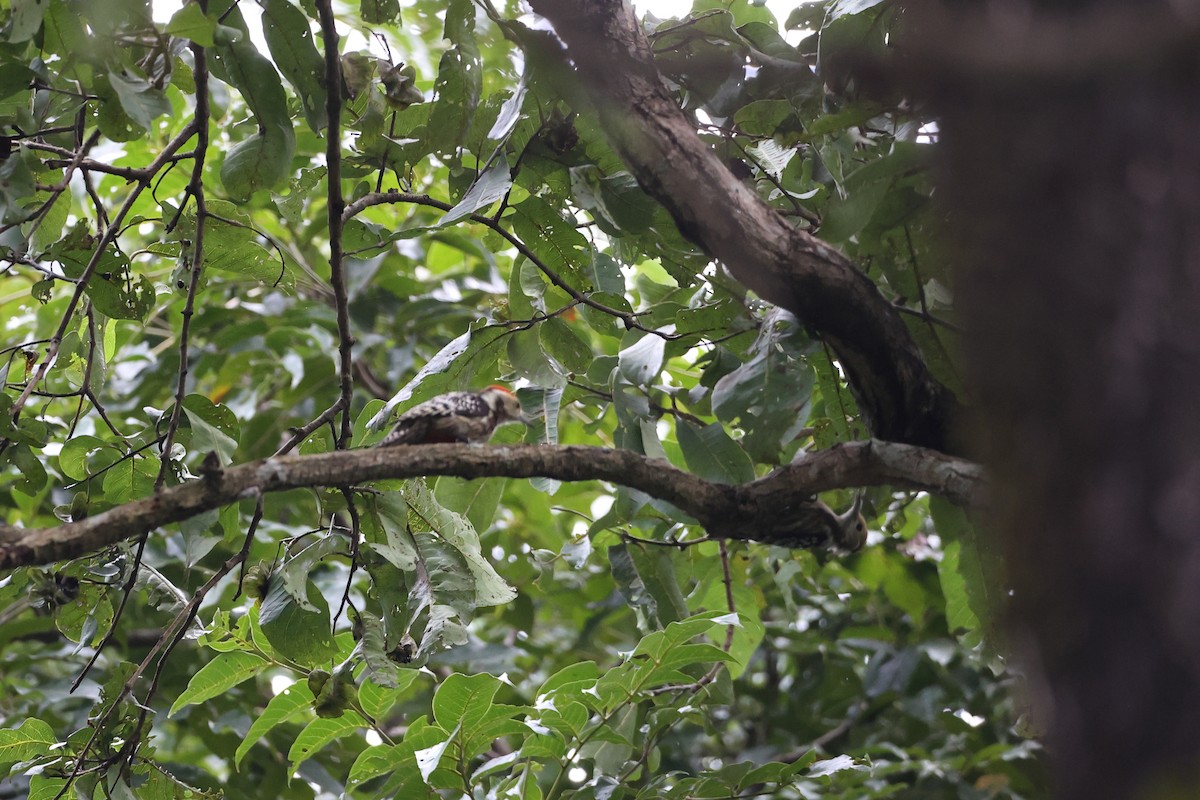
758, 511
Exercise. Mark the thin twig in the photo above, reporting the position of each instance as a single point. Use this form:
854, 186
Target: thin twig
142, 181
196, 190
171, 637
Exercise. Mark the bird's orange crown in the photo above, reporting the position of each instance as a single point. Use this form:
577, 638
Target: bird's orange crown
500, 388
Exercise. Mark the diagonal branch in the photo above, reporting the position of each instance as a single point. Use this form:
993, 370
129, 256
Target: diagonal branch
901, 399
336, 204
761, 511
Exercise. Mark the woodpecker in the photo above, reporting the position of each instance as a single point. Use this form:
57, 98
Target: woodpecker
456, 417
851, 531
811, 523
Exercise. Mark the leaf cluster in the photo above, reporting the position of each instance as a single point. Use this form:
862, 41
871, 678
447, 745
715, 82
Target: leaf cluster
169, 309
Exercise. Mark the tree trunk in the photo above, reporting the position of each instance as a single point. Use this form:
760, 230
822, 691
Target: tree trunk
1073, 174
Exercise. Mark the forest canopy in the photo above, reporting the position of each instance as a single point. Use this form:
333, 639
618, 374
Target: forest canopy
236, 239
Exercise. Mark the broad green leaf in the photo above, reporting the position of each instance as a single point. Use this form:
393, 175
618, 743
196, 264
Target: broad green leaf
656, 569
711, 454
190, 22
321, 732
214, 428
378, 700
289, 37
770, 395
73, 458
476, 499
120, 295
33, 474
261, 162
131, 478
532, 362
301, 636
141, 101
641, 361
560, 341
464, 700
964, 574
459, 79
380, 759
456, 530
295, 571
25, 20
380, 12
64, 31
293, 701
30, 740
492, 185
556, 241
583, 674
218, 676
240, 64
430, 758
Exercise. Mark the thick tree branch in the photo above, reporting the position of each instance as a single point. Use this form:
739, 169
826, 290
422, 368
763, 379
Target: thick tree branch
786, 266
757, 511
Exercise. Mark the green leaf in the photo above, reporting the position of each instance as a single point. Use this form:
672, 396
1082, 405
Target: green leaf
296, 700
646, 575
26, 19
492, 185
64, 31
581, 674
380, 12
261, 162
321, 732
464, 700
190, 22
116, 294
642, 361
456, 530
477, 499
459, 80
214, 428
769, 396
711, 454
531, 362
33, 475
378, 700
141, 101
240, 64
290, 40
964, 573
299, 635
14, 79
73, 457
560, 341
131, 478
218, 676
555, 240
30, 740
